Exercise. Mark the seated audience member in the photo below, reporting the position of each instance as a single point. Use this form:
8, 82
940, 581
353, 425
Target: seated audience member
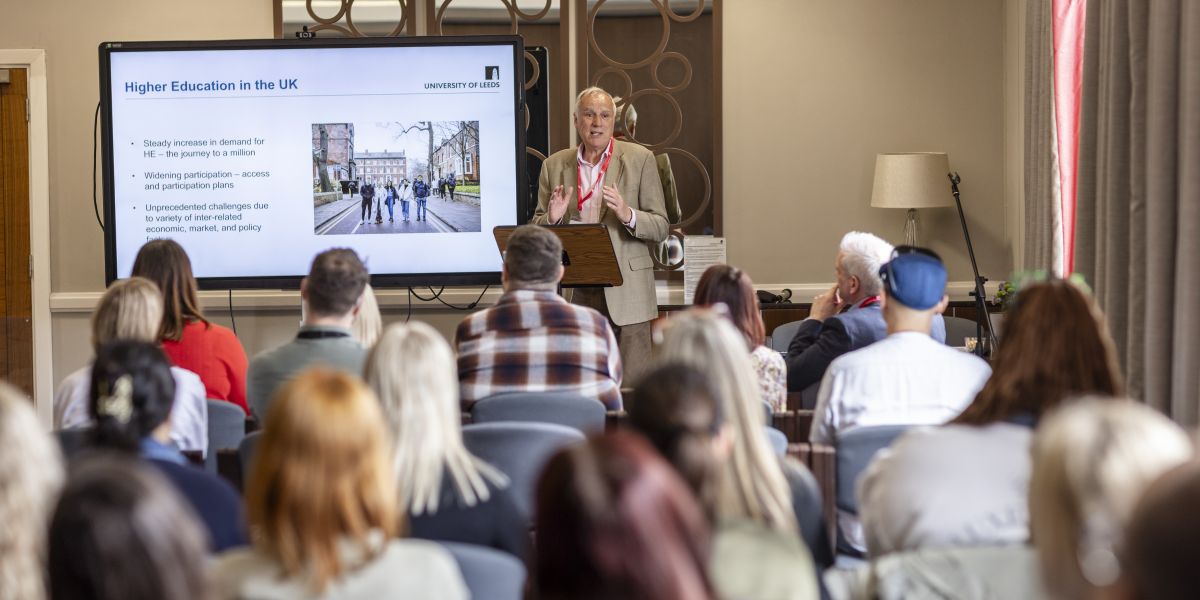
1092, 460
121, 533
723, 284
331, 294
755, 483
848, 316
449, 494
321, 498
368, 323
31, 474
131, 309
677, 410
533, 340
131, 397
906, 378
615, 521
189, 340
967, 483
1158, 555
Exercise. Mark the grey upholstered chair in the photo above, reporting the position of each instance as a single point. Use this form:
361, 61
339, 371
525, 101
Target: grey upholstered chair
72, 441
778, 440
246, 449
520, 450
226, 428
782, 336
489, 573
855, 449
561, 408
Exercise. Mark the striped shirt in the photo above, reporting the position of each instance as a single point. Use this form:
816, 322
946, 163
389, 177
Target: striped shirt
533, 341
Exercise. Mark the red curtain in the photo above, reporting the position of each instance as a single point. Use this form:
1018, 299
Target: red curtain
1069, 20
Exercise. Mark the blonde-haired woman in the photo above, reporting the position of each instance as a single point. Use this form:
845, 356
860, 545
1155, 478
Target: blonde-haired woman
321, 500
368, 323
1091, 462
752, 484
449, 494
132, 309
31, 474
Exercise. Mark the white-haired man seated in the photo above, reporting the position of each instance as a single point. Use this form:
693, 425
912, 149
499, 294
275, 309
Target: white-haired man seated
845, 318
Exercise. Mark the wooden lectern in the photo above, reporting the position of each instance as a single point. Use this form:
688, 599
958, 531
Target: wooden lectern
588, 255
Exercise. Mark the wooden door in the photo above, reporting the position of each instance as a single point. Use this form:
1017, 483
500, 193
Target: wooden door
16, 264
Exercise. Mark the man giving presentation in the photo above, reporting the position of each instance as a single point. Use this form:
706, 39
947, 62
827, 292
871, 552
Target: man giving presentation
615, 183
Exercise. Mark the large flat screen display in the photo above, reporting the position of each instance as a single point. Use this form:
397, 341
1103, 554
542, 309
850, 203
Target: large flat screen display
257, 155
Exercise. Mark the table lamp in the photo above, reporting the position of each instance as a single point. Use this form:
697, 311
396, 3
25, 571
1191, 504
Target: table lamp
911, 180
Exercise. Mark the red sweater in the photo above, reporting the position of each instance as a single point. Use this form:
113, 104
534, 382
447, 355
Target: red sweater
215, 354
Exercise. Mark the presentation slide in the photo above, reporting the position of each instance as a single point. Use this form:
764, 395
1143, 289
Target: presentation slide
255, 160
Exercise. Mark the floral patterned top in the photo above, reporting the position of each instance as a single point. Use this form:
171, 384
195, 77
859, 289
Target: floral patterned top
772, 376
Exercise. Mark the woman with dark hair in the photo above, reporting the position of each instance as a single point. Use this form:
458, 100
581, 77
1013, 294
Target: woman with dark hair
121, 533
323, 505
206, 349
728, 285
614, 521
677, 410
131, 394
967, 483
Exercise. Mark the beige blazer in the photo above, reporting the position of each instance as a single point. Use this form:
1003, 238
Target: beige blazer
635, 173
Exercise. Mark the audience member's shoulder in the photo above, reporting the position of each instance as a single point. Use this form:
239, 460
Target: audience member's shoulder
633, 149
217, 491
947, 440
184, 377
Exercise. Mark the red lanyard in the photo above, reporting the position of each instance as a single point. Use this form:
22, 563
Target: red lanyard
603, 169
868, 301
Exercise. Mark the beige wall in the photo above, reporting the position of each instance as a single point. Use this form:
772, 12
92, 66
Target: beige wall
815, 88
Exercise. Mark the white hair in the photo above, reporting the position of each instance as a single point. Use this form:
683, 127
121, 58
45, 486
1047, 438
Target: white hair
751, 484
31, 474
591, 91
412, 371
1092, 459
862, 255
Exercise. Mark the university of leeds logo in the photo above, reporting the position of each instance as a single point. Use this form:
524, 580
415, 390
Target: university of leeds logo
491, 73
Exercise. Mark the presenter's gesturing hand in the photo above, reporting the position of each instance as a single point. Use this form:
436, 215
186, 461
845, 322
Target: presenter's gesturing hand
558, 202
615, 203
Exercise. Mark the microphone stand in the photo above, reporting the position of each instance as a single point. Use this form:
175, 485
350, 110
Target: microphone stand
979, 293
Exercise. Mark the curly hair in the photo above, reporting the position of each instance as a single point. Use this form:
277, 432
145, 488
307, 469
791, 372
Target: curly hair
31, 474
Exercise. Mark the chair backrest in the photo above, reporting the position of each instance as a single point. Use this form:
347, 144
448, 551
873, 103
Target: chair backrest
778, 440
72, 441
519, 450
958, 329
855, 449
809, 511
245, 452
226, 428
489, 573
561, 408
782, 335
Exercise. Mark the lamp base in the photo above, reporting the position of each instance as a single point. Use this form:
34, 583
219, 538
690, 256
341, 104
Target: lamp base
911, 225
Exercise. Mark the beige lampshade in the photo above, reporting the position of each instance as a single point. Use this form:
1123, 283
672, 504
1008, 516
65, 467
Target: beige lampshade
912, 180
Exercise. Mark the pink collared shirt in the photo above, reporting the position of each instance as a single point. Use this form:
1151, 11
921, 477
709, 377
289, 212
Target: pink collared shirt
589, 172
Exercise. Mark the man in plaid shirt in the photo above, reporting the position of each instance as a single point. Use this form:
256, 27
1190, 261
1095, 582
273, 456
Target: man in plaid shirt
533, 340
